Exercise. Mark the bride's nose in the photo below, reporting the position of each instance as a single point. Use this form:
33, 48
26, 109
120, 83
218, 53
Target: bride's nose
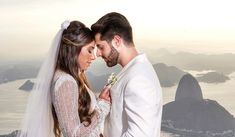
93, 56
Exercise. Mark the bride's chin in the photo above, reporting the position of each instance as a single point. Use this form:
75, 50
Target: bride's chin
84, 69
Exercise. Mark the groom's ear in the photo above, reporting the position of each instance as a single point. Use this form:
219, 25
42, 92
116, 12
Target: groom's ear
117, 41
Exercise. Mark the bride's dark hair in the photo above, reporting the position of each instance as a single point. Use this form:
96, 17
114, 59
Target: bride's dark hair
73, 39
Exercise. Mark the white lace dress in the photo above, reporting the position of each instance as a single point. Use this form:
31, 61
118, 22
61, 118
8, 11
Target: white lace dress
65, 101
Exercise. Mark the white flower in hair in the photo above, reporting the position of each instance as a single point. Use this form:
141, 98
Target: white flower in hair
65, 24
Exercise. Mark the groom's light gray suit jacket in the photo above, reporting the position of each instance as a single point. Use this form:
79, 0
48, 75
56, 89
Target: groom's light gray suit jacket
136, 109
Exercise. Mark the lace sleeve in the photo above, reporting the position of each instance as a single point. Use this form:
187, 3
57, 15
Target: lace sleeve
103, 109
65, 101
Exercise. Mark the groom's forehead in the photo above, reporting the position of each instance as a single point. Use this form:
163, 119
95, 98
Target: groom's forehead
100, 42
97, 37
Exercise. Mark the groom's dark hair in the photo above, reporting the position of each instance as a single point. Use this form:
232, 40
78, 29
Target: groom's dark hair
113, 24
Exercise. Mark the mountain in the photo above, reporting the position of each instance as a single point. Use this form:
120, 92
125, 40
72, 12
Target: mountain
213, 77
222, 63
27, 86
192, 116
13, 72
168, 75
188, 88
12, 134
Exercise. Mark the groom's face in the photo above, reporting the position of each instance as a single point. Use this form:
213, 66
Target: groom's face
106, 51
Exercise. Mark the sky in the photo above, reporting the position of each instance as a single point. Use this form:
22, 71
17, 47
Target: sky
27, 27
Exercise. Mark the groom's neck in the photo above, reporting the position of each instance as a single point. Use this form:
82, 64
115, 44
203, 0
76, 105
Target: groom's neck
127, 54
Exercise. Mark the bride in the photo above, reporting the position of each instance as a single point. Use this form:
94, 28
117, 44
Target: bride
61, 102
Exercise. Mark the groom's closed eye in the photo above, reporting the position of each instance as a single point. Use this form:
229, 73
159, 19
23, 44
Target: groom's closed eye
100, 47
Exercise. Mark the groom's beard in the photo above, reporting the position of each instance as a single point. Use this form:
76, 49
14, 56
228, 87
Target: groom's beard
112, 58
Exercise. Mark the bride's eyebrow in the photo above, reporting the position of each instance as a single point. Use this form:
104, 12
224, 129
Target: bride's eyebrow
91, 47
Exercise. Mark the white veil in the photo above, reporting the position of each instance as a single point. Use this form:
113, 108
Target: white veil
38, 120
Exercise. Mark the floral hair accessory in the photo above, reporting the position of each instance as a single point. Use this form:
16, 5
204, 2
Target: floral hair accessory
65, 24
111, 80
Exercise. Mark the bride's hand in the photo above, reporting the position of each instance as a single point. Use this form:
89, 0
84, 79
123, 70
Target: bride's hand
105, 94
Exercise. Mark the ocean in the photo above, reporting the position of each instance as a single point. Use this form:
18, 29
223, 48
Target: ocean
13, 101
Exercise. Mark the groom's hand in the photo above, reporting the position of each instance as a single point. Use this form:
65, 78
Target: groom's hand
105, 94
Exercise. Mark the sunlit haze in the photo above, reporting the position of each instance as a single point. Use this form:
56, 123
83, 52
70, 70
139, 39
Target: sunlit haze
200, 26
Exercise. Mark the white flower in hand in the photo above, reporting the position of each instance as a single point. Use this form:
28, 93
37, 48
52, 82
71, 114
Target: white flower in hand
111, 80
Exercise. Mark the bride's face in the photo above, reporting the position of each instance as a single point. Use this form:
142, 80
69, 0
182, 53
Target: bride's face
86, 56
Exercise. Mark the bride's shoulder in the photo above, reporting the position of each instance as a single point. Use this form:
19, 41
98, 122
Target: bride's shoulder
62, 82
61, 76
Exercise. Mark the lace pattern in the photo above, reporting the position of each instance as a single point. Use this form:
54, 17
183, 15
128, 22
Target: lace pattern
65, 101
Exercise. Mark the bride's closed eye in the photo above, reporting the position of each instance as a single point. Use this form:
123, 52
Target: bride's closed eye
91, 50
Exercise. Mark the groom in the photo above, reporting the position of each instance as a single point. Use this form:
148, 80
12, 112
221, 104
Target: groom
136, 109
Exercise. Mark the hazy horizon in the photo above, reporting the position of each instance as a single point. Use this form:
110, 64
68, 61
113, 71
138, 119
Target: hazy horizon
28, 26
